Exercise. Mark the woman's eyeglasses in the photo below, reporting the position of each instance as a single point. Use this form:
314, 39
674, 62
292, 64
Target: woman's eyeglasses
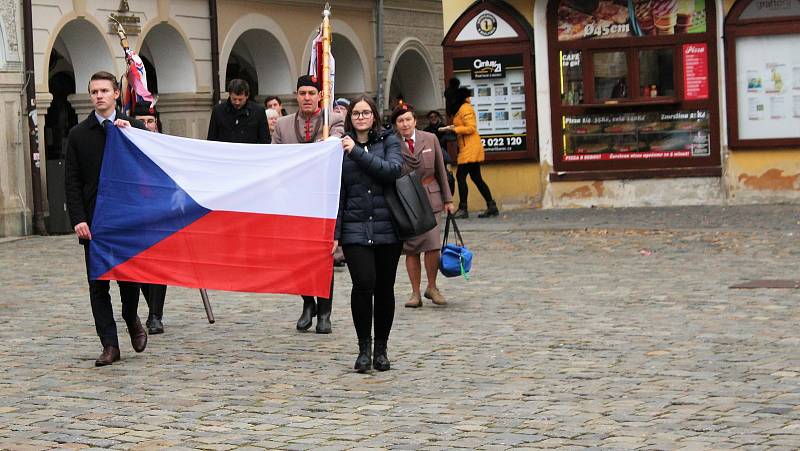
366, 114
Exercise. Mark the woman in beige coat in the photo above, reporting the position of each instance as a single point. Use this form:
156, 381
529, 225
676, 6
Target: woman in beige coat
423, 155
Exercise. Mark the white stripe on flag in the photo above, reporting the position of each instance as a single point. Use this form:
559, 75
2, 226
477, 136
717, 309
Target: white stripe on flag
283, 179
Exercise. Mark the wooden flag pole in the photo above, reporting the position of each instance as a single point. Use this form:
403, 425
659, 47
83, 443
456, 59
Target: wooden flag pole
326, 70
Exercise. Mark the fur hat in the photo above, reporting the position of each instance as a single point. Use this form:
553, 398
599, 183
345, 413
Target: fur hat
308, 80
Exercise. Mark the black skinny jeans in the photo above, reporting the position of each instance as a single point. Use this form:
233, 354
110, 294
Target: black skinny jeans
372, 270
474, 171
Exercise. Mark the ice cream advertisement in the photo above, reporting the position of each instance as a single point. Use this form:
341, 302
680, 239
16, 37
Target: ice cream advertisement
592, 19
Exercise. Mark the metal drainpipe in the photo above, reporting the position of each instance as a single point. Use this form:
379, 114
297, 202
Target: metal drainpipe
212, 9
379, 55
30, 81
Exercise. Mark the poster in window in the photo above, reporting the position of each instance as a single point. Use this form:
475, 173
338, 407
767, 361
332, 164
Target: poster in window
601, 19
766, 86
796, 103
499, 100
636, 136
695, 71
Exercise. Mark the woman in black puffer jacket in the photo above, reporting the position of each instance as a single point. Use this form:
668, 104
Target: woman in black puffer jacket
364, 228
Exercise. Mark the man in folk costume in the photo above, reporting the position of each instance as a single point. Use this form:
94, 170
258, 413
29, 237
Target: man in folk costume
305, 126
153, 293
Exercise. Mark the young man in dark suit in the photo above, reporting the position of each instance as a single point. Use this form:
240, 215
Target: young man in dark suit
85, 147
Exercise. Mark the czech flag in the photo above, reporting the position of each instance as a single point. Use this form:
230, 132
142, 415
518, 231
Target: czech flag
203, 214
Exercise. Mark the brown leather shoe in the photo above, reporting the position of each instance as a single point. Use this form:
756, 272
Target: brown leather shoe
138, 336
109, 355
414, 301
434, 295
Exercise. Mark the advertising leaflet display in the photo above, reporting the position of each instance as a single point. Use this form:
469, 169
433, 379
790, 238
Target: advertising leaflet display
768, 86
636, 136
600, 19
498, 96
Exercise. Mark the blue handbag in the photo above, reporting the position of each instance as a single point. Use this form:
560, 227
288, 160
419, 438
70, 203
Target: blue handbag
456, 259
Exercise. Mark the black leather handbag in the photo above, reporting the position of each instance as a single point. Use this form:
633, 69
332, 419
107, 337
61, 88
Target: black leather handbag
411, 210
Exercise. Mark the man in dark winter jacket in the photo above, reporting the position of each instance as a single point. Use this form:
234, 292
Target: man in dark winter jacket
238, 120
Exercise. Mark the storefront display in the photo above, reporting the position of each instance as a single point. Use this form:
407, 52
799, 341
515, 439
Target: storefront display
498, 86
764, 69
633, 88
489, 50
636, 136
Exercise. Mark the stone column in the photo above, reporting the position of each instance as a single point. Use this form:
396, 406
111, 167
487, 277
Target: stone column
16, 201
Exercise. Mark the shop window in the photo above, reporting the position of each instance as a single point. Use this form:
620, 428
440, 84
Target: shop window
610, 75
635, 93
763, 67
657, 73
571, 78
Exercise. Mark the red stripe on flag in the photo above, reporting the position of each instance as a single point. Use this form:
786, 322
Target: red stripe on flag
235, 251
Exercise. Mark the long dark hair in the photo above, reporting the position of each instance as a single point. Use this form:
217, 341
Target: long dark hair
454, 96
376, 118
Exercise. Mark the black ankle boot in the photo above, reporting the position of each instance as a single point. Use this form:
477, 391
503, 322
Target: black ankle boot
154, 324
380, 361
364, 360
462, 212
309, 311
491, 210
324, 316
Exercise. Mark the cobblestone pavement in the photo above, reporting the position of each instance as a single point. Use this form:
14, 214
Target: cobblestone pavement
613, 329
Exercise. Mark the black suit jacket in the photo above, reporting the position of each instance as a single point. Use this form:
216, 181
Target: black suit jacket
247, 125
85, 146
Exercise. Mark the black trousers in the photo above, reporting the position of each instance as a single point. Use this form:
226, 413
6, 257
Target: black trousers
373, 270
100, 297
317, 299
154, 295
474, 172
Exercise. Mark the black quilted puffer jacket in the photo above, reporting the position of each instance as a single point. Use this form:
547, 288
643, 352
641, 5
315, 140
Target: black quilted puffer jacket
364, 217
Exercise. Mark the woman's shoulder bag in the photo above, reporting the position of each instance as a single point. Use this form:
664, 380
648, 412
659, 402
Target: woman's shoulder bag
456, 259
409, 205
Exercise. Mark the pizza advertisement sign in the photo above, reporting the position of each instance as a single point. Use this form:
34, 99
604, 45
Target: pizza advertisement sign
603, 19
636, 136
695, 71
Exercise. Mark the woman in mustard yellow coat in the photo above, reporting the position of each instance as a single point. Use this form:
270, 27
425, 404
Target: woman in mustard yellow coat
470, 148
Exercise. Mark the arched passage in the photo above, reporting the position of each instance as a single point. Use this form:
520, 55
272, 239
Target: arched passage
84, 50
258, 57
165, 49
411, 77
276, 77
349, 69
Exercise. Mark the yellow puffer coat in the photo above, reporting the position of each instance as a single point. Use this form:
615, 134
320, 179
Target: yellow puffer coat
470, 149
